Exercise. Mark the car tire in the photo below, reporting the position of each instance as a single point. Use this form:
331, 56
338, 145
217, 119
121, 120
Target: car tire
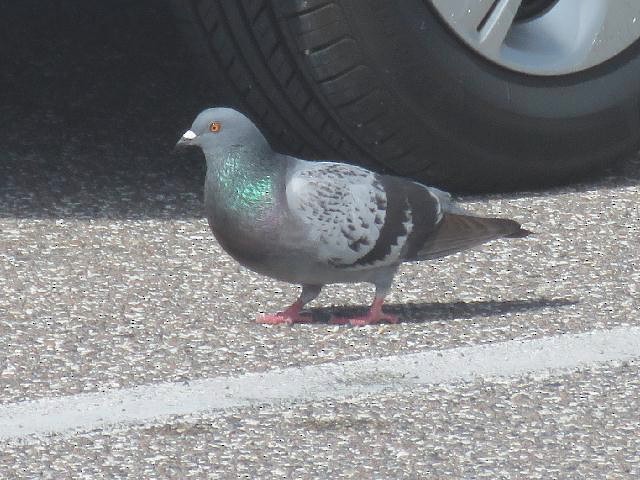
387, 85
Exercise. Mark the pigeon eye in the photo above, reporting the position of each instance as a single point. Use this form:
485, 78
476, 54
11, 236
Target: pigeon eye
215, 127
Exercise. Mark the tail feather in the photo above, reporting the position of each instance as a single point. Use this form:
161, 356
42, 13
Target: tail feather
523, 232
460, 232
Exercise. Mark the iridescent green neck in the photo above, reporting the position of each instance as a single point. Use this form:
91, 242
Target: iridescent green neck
242, 181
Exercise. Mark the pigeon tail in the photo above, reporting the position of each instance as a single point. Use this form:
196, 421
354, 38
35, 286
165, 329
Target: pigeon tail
523, 232
460, 232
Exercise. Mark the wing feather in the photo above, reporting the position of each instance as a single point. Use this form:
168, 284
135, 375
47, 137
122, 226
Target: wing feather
342, 206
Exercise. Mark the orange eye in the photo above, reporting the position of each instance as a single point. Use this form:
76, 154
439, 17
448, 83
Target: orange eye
215, 127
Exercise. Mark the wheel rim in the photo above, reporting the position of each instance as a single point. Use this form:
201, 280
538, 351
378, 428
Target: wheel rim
544, 37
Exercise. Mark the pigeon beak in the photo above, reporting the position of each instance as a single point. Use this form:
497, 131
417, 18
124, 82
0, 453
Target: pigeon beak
186, 139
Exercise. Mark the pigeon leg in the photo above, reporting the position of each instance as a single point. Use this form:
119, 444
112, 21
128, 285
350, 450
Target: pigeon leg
374, 315
292, 314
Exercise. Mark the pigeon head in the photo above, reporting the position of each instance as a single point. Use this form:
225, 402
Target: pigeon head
215, 129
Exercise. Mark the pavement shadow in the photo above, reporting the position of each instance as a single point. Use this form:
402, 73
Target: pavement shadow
437, 311
624, 173
93, 96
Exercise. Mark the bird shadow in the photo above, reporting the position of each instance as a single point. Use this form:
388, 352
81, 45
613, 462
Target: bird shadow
440, 311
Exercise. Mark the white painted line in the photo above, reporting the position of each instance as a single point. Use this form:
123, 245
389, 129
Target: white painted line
156, 403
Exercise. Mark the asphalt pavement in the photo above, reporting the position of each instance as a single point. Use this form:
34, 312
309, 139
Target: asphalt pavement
110, 279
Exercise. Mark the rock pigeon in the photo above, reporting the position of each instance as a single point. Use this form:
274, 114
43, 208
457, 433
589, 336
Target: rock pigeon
317, 222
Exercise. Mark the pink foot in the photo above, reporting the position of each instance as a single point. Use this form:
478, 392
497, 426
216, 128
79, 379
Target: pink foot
283, 317
290, 316
375, 315
363, 320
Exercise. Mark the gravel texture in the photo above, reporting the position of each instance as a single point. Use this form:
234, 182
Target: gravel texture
582, 425
104, 302
109, 277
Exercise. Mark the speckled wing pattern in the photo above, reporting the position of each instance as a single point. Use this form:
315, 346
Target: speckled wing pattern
359, 219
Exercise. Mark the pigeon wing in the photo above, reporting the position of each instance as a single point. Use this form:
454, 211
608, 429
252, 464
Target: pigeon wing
359, 219
348, 214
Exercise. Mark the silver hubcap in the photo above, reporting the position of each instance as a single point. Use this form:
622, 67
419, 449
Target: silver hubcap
569, 36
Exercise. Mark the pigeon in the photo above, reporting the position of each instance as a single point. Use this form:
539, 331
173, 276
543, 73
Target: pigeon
314, 223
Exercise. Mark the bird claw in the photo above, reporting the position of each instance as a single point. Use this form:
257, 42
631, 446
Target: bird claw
363, 320
284, 318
